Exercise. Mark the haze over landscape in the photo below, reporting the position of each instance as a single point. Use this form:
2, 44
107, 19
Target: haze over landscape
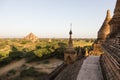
59, 40
51, 18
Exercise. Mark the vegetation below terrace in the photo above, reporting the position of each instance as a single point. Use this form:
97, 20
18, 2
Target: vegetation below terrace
15, 49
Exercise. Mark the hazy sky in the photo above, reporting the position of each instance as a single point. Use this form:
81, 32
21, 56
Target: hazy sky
52, 18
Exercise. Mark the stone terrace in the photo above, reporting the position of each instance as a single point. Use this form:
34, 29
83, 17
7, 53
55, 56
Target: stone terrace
90, 69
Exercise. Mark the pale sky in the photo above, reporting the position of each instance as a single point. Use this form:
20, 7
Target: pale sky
52, 18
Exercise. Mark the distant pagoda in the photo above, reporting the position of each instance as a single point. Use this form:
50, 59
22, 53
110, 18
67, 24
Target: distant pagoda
31, 37
70, 55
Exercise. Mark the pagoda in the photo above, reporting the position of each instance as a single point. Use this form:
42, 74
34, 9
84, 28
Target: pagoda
70, 55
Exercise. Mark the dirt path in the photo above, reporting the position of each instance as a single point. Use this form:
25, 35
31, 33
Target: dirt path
90, 69
12, 66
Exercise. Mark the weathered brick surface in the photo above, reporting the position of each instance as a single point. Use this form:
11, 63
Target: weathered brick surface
71, 71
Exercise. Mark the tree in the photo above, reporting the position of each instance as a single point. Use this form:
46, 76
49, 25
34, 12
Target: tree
1, 56
77, 49
13, 48
16, 55
30, 56
41, 52
38, 47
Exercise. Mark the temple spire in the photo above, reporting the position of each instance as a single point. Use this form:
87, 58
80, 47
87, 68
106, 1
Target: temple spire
70, 43
115, 22
116, 12
117, 7
105, 28
70, 55
108, 14
70, 26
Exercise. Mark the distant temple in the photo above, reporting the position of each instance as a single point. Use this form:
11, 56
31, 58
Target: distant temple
31, 37
70, 55
102, 35
110, 60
